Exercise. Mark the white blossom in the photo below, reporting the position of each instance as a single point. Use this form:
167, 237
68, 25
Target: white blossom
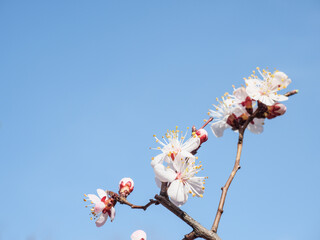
172, 144
226, 107
265, 89
102, 207
180, 175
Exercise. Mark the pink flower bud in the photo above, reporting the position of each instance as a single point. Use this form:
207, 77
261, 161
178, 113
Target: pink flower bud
279, 109
203, 135
126, 186
139, 235
275, 110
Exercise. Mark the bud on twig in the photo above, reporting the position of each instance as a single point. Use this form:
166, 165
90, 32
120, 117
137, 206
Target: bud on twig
275, 110
203, 135
126, 186
139, 235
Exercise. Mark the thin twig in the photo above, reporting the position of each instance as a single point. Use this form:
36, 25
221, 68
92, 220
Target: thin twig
288, 94
207, 122
225, 188
123, 200
236, 166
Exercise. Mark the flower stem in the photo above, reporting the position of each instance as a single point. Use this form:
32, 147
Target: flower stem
207, 122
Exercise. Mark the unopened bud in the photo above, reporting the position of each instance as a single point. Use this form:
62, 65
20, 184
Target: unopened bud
126, 186
248, 104
233, 121
139, 235
203, 135
280, 109
275, 110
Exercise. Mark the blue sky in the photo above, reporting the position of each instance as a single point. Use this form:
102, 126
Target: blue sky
85, 84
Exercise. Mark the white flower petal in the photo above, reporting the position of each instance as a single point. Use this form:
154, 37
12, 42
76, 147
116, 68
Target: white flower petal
196, 185
253, 92
257, 127
158, 159
218, 128
94, 198
188, 155
280, 79
266, 100
177, 193
102, 219
278, 98
240, 94
192, 144
102, 193
99, 207
179, 162
158, 182
164, 174
139, 235
112, 213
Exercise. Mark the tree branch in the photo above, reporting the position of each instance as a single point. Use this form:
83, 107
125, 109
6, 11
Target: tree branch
198, 229
190, 236
123, 200
225, 188
236, 166
163, 190
207, 122
288, 94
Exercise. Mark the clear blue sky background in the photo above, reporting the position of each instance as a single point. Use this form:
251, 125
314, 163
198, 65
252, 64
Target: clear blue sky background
85, 84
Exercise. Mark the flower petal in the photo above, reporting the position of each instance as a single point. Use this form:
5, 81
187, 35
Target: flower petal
179, 162
112, 213
240, 93
177, 193
139, 235
257, 127
278, 97
94, 199
218, 128
196, 185
158, 182
102, 193
99, 207
102, 219
266, 100
158, 159
280, 79
253, 92
164, 174
191, 144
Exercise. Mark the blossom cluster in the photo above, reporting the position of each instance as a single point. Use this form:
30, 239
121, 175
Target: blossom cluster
102, 206
233, 110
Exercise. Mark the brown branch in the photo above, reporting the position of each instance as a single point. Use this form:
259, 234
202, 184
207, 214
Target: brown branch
225, 188
236, 167
123, 200
207, 122
190, 236
199, 230
288, 94
163, 190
